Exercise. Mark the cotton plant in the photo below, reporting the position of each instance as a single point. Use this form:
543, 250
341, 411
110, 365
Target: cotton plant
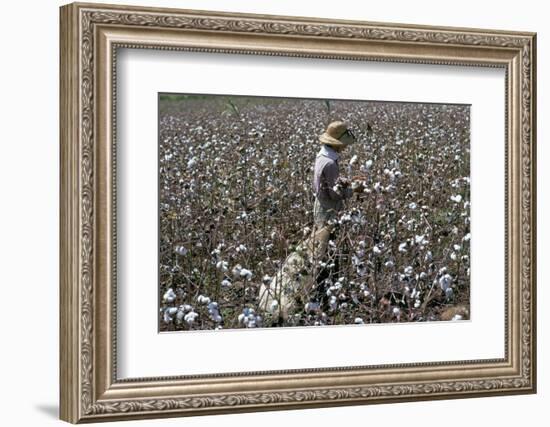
249, 318
214, 312
225, 181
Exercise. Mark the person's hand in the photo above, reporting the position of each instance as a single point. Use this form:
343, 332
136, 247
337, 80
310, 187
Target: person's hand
343, 182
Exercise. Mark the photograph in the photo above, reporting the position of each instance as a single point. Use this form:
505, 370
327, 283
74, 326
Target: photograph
277, 212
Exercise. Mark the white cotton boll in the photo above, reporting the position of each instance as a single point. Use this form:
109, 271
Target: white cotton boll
376, 250
169, 296
457, 247
361, 269
222, 266
396, 311
180, 315
377, 187
449, 293
180, 250
467, 237
191, 162
333, 303
241, 247
358, 321
389, 264
274, 305
345, 218
190, 317
368, 164
353, 160
306, 231
169, 313
245, 273
237, 270
428, 257
213, 310
201, 299
420, 239
445, 282
266, 279
457, 198
417, 303
241, 318
358, 218
423, 275
403, 247
412, 205
409, 270
457, 317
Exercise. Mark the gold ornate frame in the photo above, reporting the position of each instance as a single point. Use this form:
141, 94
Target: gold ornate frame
90, 36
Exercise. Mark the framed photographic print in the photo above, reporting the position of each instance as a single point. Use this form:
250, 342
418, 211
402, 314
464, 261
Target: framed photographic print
268, 212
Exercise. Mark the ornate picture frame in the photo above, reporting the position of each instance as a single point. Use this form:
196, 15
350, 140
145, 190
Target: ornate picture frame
90, 36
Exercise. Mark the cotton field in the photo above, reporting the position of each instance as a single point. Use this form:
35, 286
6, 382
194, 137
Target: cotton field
235, 201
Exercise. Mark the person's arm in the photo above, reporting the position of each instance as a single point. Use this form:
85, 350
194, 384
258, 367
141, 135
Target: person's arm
330, 176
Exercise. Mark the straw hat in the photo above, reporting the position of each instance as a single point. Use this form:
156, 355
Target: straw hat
337, 135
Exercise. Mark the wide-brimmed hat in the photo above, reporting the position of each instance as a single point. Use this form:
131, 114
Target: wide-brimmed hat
337, 135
